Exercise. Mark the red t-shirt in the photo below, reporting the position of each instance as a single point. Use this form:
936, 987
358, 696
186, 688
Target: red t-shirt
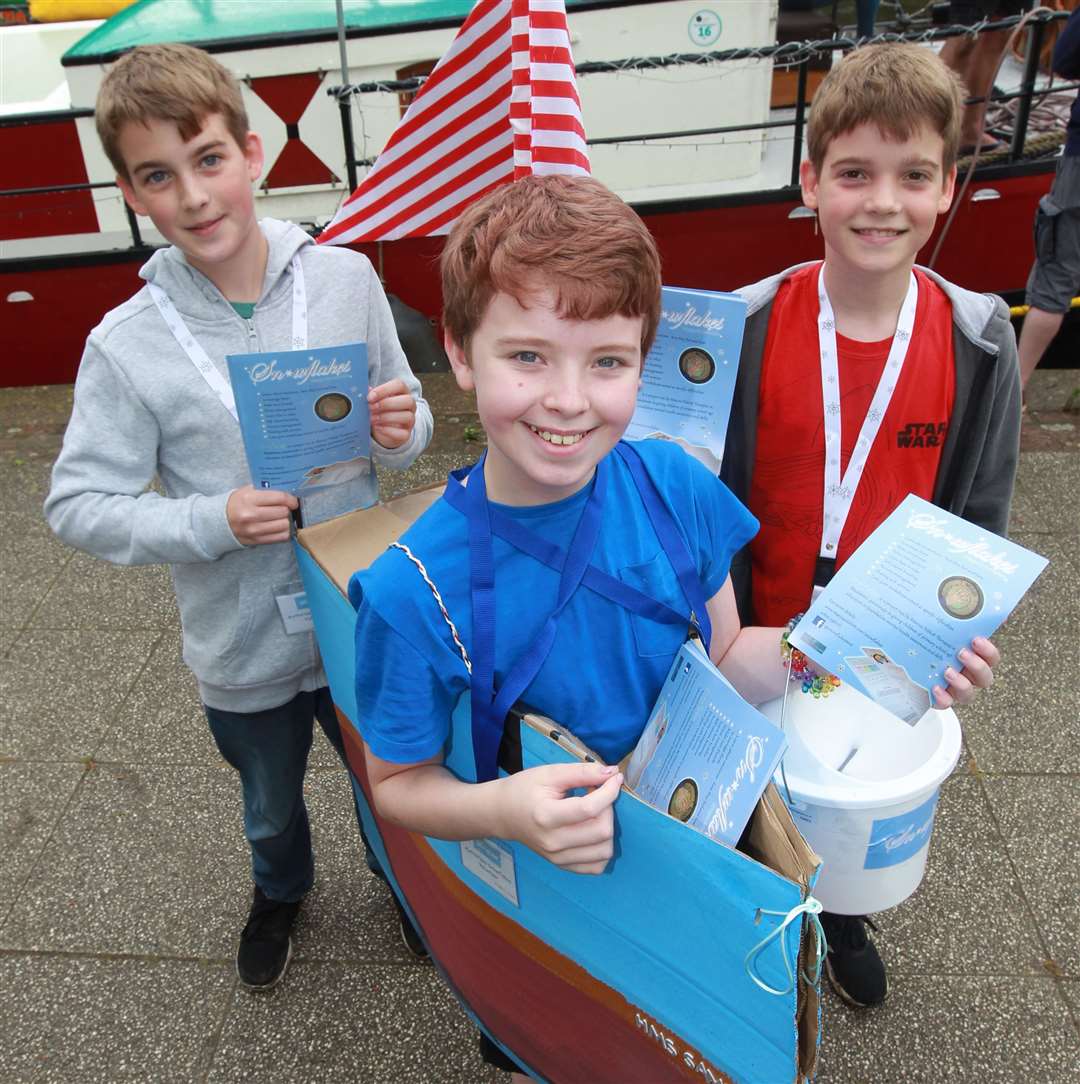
787, 489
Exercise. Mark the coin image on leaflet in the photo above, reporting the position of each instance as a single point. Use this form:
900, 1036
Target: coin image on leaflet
960, 596
683, 800
696, 365
333, 406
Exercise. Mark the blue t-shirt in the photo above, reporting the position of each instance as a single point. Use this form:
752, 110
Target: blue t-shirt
606, 666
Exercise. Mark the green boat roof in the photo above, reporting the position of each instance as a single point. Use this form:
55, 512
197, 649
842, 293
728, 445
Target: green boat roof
229, 25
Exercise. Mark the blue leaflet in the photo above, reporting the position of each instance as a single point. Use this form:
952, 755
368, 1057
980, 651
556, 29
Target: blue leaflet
920, 588
303, 415
689, 376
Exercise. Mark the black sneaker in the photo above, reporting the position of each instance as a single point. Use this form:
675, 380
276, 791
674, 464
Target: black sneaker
409, 934
853, 965
265, 945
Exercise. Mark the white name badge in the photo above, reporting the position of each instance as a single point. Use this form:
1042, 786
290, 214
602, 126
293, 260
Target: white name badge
493, 862
295, 612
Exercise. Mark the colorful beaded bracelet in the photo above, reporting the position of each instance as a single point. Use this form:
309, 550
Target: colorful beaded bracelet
817, 685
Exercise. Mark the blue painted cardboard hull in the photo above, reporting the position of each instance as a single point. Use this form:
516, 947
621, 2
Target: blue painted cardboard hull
636, 975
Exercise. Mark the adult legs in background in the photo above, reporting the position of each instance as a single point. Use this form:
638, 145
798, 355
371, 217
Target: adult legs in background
976, 60
1038, 332
1055, 277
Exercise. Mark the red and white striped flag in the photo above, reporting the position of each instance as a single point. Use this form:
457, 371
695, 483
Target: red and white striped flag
502, 103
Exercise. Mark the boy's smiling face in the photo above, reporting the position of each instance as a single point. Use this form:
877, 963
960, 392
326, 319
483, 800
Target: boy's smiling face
197, 191
554, 394
877, 198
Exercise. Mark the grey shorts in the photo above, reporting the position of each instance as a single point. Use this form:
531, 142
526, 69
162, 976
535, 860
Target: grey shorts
1055, 278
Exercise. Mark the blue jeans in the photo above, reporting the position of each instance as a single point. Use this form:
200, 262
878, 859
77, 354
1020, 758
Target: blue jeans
270, 751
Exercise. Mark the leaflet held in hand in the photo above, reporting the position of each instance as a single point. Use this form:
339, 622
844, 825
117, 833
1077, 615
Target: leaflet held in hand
706, 755
919, 589
688, 380
304, 416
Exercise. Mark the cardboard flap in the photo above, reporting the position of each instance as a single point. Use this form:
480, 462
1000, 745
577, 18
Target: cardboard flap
340, 546
774, 840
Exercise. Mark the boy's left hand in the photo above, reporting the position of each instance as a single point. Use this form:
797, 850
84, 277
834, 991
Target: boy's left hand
393, 413
979, 661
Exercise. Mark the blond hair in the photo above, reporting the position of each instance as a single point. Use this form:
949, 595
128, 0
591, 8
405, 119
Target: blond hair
897, 87
568, 233
177, 83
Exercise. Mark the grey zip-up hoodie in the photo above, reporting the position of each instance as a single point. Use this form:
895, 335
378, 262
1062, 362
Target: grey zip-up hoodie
142, 410
978, 461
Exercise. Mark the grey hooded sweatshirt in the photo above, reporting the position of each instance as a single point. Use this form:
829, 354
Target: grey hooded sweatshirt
142, 410
978, 461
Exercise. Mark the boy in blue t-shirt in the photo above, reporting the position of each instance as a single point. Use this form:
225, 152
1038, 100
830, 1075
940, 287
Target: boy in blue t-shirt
551, 290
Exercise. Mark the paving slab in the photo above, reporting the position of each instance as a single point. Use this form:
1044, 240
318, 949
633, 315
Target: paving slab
34, 799
61, 689
79, 1019
152, 861
936, 1029
1052, 479
1029, 721
1026, 512
1055, 595
145, 861
8, 637
340, 1022
1070, 989
349, 914
426, 471
89, 593
33, 560
1051, 389
1037, 816
967, 916
161, 721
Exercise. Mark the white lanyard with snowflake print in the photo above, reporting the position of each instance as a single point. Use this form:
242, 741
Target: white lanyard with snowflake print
839, 492
198, 356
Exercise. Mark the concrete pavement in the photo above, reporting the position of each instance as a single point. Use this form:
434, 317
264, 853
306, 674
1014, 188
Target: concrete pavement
125, 876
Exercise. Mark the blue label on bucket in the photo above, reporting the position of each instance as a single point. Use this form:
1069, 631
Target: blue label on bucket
895, 839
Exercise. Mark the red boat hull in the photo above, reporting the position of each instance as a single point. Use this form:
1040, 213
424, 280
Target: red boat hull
716, 244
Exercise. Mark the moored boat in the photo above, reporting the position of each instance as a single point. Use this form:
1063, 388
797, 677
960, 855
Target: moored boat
698, 149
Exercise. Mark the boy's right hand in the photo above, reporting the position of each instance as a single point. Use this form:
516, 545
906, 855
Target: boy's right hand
576, 833
258, 516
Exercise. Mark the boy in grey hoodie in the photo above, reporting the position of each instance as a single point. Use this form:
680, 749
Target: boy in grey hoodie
865, 378
151, 400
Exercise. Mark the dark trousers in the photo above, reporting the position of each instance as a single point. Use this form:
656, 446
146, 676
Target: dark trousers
270, 751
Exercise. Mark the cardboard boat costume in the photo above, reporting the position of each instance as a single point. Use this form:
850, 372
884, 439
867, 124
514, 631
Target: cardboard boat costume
686, 959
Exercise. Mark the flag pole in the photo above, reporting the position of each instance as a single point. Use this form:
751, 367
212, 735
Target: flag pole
344, 101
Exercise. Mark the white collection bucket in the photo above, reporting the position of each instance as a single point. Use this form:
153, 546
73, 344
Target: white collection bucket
863, 787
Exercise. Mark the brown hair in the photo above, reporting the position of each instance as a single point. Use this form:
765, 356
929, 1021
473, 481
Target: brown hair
568, 233
898, 87
177, 83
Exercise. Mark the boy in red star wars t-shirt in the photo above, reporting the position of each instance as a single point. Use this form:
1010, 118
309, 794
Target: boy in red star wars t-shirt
863, 379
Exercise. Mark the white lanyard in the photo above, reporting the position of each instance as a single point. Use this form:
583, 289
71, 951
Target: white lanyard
839, 492
219, 385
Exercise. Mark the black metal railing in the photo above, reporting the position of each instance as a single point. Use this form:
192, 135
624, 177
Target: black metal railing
797, 55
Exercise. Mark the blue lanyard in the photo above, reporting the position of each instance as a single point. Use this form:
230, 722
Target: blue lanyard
671, 539
490, 705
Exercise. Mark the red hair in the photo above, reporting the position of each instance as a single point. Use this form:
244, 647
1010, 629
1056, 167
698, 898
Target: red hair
569, 234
